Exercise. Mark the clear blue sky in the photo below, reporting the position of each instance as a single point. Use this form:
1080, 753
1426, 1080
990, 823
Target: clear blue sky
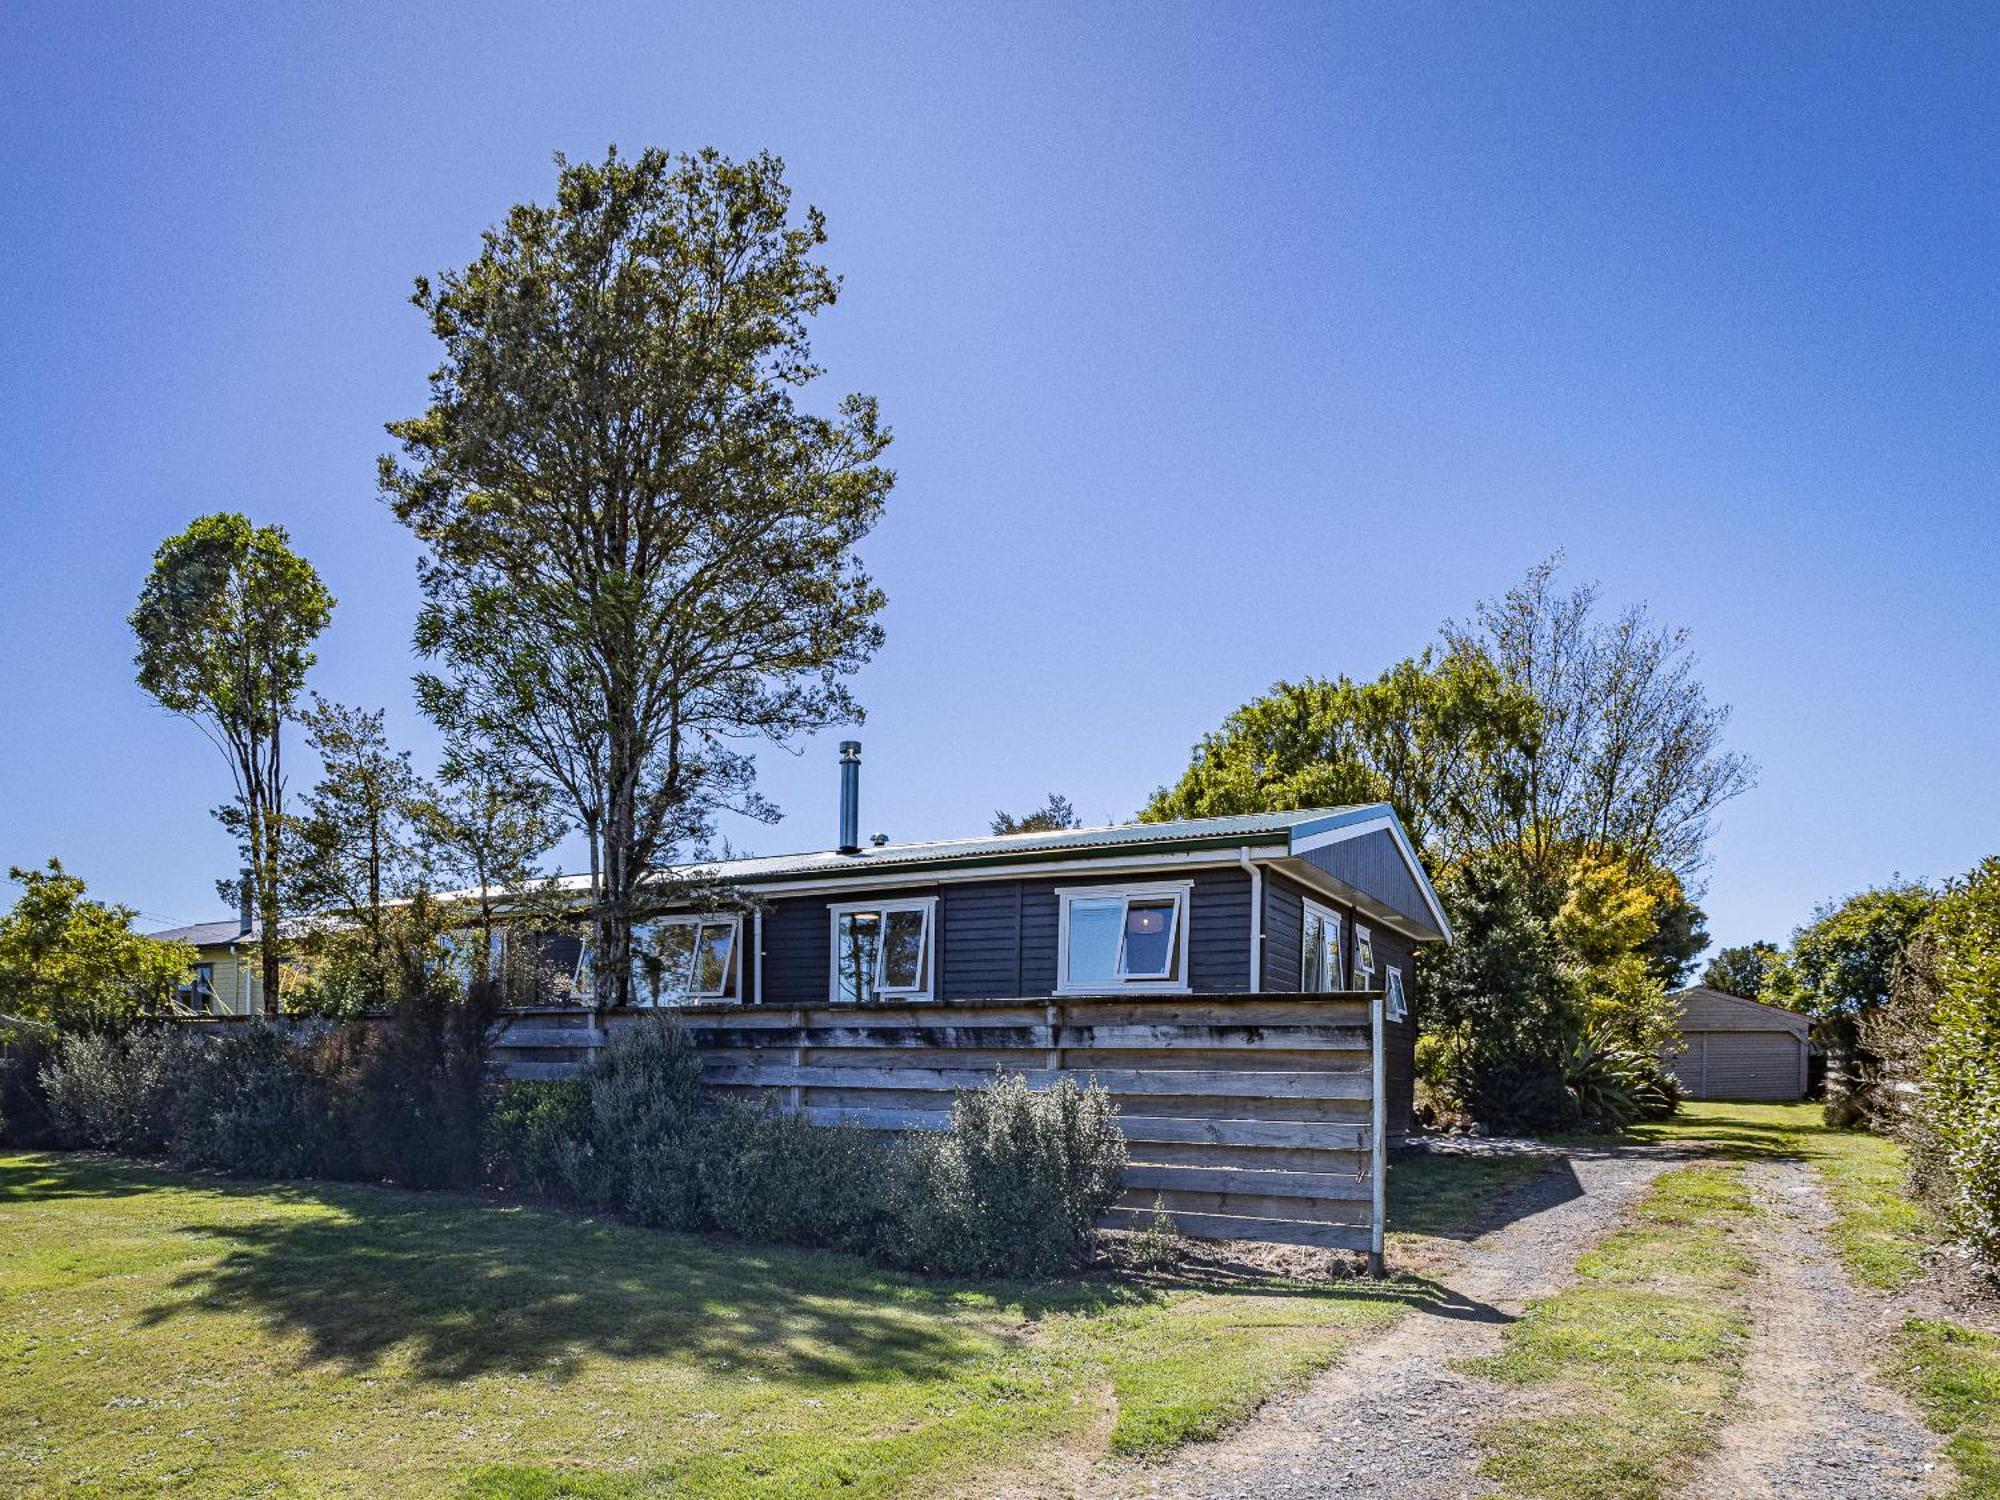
1220, 344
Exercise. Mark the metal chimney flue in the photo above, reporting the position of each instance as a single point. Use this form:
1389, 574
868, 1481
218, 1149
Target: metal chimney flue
850, 796
245, 909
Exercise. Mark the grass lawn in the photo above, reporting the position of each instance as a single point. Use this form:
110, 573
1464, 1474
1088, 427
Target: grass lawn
1879, 1233
1954, 1374
1641, 1354
162, 1332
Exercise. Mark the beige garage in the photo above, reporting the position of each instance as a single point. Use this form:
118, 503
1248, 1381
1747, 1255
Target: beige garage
1740, 1049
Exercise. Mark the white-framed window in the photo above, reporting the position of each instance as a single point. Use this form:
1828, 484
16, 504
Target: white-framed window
1111, 939
1319, 958
883, 950
1364, 958
686, 960
1394, 1005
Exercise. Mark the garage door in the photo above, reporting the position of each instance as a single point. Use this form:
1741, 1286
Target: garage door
1741, 1065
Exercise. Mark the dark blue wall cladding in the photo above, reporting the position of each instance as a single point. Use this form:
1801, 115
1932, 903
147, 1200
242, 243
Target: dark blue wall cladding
1373, 865
1284, 932
997, 939
1284, 929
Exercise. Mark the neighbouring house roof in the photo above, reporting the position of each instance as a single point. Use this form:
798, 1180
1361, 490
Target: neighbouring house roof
207, 934
1703, 1008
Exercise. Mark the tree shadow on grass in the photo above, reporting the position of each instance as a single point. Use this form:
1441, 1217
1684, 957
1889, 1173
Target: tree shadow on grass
46, 1176
1732, 1140
1445, 1194
451, 1290
446, 1287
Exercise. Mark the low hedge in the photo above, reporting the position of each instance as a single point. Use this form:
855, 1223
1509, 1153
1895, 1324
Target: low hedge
1011, 1187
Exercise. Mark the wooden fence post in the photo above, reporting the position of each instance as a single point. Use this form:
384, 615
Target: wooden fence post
1378, 1150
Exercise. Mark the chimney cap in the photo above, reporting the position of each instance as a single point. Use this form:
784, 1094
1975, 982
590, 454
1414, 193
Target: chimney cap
850, 749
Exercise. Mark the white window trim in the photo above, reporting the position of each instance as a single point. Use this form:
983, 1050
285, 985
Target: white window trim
1364, 944
923, 991
1310, 908
1178, 890
733, 971
1396, 1005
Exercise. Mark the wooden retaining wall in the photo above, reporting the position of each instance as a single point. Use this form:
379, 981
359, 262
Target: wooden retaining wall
1248, 1116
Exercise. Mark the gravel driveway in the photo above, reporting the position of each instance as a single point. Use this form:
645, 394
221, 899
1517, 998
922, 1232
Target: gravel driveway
1395, 1419
1813, 1342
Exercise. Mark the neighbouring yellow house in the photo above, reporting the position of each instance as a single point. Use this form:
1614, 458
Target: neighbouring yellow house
224, 979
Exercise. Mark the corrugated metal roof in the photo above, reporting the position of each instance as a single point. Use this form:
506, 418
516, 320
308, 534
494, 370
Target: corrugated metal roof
998, 850
1274, 827
202, 934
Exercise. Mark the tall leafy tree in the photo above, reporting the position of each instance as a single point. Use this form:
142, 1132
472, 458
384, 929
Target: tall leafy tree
363, 827
1843, 962
1434, 736
1743, 969
1629, 757
640, 546
487, 828
74, 964
1499, 1005
1841, 970
1053, 816
226, 623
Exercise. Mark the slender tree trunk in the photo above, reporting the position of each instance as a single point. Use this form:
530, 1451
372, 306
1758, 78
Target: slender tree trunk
594, 828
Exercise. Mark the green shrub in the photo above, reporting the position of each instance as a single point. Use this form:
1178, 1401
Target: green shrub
533, 1132
1953, 1120
768, 1174
1613, 1085
120, 1092
408, 1092
1519, 1095
251, 1103
647, 1126
24, 1102
1012, 1187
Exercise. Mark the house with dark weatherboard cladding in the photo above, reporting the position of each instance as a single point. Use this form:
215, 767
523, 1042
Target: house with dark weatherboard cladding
1239, 985
1326, 901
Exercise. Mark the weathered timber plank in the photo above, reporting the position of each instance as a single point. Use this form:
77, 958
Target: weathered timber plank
539, 1072
1238, 1227
1238, 1180
1330, 1134
1287, 1038
878, 1119
1215, 1060
1251, 1205
1027, 1034
1191, 1083
914, 1038
548, 1036
1261, 1158
1213, 1010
